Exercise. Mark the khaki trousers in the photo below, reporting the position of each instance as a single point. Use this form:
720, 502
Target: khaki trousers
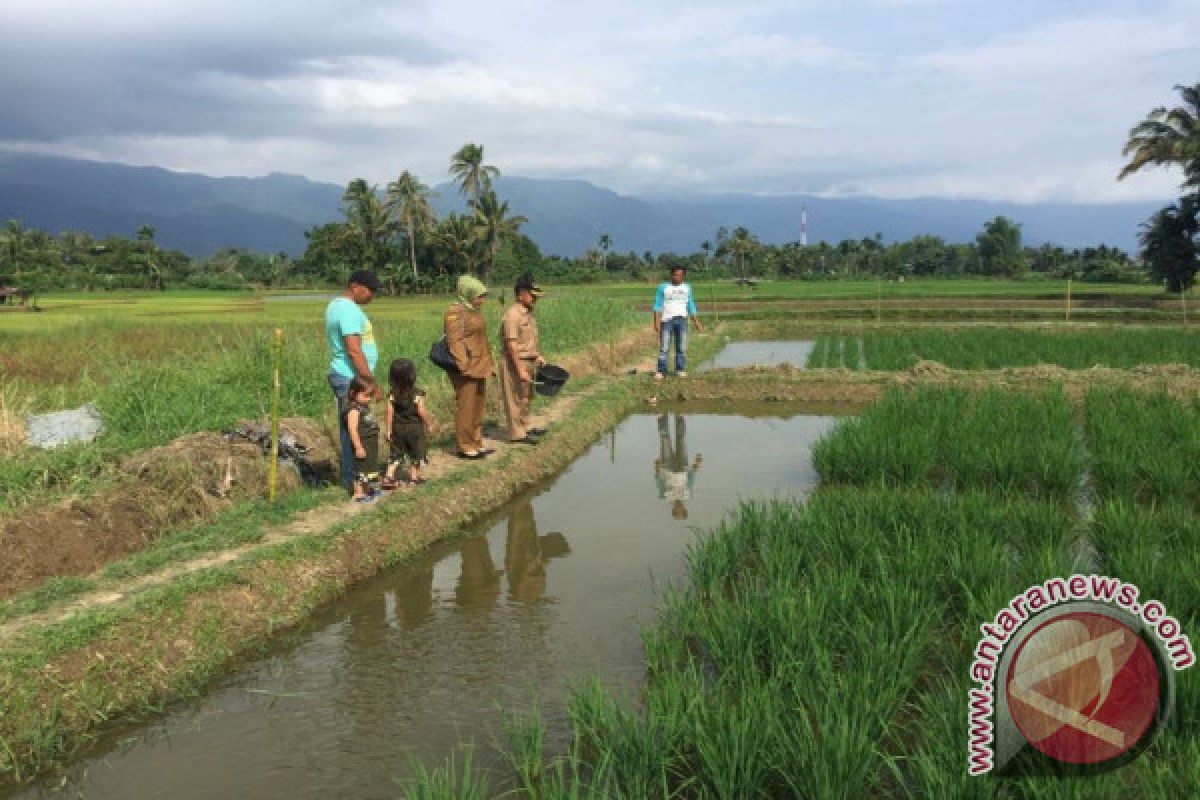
470, 396
518, 395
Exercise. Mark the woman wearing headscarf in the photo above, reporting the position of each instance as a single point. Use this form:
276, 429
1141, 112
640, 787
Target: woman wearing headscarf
466, 337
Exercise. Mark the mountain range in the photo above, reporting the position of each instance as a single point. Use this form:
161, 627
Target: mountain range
199, 214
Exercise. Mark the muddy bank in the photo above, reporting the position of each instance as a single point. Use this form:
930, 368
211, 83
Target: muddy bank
849, 390
189, 480
1176, 380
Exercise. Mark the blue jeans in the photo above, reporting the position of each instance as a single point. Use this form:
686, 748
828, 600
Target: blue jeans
677, 327
341, 388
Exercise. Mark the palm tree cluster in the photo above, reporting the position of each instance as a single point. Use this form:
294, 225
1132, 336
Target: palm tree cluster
1171, 238
376, 228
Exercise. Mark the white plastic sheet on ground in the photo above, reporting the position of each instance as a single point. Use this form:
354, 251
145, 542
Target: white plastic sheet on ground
48, 431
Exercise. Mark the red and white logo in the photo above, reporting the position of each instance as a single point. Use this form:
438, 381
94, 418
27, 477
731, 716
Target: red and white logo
1083, 688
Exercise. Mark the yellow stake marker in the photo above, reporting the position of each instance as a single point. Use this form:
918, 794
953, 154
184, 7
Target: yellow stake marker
1068, 317
276, 387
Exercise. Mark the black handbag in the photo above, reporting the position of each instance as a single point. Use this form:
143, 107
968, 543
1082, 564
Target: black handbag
439, 354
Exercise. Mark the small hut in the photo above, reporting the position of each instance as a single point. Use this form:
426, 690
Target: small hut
11, 295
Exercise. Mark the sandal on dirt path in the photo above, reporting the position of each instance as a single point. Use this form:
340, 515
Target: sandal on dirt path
387, 484
473, 456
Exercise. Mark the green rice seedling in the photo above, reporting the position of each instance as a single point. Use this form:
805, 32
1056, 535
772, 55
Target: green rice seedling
454, 780
953, 438
1145, 446
852, 358
816, 356
983, 348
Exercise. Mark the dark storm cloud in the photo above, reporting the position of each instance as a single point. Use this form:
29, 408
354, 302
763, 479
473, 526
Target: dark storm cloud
73, 80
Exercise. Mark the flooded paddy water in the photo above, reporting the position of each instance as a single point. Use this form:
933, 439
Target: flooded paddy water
551, 589
762, 354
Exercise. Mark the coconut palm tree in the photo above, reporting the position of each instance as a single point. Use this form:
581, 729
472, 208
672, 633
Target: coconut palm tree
1168, 137
474, 178
1169, 245
15, 239
605, 245
408, 203
455, 235
366, 222
493, 226
742, 244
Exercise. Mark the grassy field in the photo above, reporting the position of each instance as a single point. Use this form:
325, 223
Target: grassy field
821, 649
872, 289
158, 373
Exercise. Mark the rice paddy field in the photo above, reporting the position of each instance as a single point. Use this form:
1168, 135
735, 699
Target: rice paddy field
816, 646
821, 648
992, 348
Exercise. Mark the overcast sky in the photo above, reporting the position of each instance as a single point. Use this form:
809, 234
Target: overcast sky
999, 99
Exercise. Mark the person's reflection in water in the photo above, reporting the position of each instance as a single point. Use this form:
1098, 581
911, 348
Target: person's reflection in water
675, 477
479, 581
526, 554
414, 594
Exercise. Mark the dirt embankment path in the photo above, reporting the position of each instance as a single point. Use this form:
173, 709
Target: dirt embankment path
852, 389
200, 475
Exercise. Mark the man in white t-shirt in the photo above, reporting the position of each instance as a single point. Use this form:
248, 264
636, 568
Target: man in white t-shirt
673, 306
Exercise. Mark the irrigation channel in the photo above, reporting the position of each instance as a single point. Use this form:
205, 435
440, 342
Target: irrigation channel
762, 354
551, 589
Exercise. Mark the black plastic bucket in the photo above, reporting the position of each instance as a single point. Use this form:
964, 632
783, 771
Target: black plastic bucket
549, 379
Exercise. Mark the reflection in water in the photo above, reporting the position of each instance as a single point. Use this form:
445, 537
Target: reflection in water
763, 354
508, 616
479, 581
674, 476
526, 554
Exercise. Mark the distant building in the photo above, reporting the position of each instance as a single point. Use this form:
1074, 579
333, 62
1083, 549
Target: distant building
12, 295
804, 226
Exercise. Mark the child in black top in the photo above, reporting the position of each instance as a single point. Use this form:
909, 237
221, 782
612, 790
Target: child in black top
408, 421
364, 435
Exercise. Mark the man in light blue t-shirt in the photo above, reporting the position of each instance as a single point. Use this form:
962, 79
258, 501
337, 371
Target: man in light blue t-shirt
352, 342
673, 305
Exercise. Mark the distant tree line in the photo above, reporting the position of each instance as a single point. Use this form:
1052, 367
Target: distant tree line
37, 261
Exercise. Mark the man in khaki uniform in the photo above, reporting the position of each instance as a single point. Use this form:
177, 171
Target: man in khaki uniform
522, 356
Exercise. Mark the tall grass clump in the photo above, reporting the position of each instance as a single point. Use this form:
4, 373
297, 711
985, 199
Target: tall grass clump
1145, 446
957, 439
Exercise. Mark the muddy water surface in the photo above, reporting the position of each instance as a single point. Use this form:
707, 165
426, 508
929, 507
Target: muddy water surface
553, 588
763, 354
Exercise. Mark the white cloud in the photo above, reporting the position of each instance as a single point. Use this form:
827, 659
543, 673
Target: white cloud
779, 51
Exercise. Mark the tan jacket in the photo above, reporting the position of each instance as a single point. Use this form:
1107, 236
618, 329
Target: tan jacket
518, 325
466, 336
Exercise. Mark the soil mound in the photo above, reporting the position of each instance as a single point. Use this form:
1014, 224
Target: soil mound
186, 481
